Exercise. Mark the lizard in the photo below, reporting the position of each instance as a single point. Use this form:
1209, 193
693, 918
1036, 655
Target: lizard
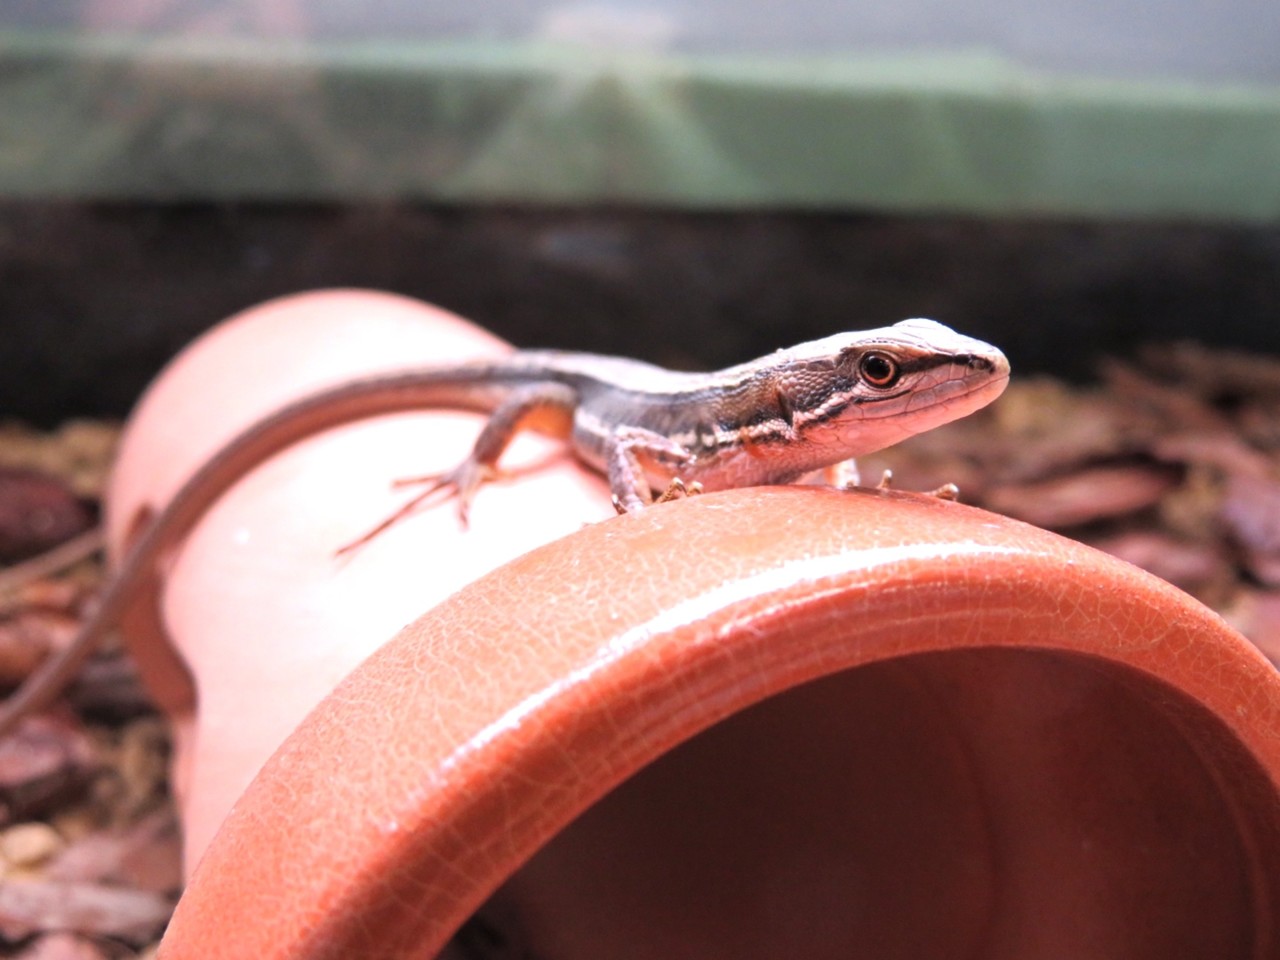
773, 420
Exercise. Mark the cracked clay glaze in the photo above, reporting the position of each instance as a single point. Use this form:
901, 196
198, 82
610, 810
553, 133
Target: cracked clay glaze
763, 723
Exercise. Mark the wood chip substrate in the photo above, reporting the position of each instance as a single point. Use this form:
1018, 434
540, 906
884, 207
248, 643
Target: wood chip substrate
1170, 460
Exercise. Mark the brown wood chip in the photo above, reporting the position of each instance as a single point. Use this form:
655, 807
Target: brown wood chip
146, 855
32, 906
37, 512
47, 759
26, 638
62, 946
1089, 495
1251, 512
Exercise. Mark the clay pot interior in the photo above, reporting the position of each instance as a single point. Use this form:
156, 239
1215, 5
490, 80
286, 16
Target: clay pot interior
992, 803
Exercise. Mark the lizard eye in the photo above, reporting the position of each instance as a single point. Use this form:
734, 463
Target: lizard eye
879, 370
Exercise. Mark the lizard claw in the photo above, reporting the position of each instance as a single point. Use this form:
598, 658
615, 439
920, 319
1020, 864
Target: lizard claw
465, 479
678, 489
948, 491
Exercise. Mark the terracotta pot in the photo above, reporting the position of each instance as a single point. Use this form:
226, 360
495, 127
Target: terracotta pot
255, 606
786, 722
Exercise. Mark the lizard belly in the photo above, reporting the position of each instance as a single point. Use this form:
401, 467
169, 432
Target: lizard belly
716, 460
745, 466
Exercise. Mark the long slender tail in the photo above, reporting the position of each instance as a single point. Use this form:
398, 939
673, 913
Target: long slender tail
480, 387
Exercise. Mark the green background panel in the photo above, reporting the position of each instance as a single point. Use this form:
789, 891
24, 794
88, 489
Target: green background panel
113, 117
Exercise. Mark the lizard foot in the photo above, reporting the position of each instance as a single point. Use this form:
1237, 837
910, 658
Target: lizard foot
462, 481
676, 490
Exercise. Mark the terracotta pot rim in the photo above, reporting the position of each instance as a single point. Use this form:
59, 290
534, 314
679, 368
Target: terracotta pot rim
560, 747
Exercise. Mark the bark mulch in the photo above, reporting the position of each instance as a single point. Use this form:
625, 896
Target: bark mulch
1170, 461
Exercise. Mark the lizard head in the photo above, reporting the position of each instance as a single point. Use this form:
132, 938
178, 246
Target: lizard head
855, 393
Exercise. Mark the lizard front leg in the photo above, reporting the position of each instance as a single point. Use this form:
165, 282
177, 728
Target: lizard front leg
626, 451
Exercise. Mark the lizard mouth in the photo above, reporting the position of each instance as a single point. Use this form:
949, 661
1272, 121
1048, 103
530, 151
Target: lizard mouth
882, 425
957, 388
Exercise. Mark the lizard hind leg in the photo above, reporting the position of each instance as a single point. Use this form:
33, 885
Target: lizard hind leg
523, 406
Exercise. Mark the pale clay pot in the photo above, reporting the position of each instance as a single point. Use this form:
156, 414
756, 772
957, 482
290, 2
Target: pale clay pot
787, 722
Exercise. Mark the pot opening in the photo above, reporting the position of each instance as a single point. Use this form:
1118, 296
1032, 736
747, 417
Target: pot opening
992, 803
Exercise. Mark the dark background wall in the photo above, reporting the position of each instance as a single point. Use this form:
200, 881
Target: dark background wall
94, 297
